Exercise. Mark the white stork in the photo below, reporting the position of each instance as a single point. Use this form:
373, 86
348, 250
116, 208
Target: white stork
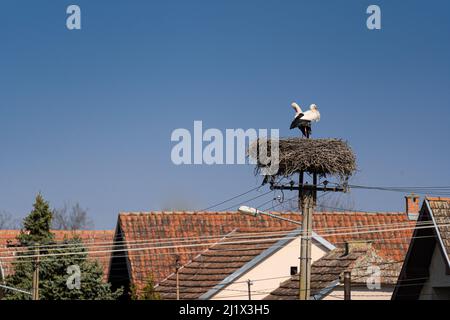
303, 120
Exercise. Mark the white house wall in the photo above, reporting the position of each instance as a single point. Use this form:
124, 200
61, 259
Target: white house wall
361, 293
276, 266
438, 279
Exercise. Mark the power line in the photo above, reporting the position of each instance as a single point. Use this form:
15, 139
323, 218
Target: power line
421, 190
253, 189
14, 289
336, 208
232, 198
231, 242
247, 201
359, 267
295, 278
189, 239
241, 235
134, 254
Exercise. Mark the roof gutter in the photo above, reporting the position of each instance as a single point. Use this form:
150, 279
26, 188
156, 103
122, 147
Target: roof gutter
323, 241
325, 291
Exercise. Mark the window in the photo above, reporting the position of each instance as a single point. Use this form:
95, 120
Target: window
294, 271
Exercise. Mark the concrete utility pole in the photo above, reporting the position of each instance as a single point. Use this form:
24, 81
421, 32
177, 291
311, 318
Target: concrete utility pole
306, 203
35, 285
347, 286
249, 284
307, 198
305, 247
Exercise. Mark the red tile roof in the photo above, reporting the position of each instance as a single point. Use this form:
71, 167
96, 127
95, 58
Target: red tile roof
89, 237
441, 213
446, 199
151, 228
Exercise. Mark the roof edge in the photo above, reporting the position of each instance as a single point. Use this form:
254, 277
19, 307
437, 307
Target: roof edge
326, 290
138, 213
323, 241
437, 198
438, 232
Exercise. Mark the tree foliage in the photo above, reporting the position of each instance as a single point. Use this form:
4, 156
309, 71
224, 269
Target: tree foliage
148, 292
36, 226
54, 277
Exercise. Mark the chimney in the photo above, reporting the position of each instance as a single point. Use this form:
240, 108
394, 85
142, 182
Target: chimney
352, 246
412, 206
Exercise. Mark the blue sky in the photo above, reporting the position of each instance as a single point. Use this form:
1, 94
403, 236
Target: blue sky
86, 116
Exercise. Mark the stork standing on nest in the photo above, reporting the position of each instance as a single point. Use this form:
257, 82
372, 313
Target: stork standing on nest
303, 120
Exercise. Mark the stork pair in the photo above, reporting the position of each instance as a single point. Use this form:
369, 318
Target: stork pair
303, 120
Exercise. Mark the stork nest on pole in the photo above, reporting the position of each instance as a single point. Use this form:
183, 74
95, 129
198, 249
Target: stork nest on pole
321, 156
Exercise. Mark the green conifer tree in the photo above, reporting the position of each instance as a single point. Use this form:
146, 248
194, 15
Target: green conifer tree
57, 279
36, 226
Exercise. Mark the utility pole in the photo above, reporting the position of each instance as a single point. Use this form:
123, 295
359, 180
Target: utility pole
249, 284
307, 207
307, 198
303, 262
35, 285
35, 277
347, 286
177, 268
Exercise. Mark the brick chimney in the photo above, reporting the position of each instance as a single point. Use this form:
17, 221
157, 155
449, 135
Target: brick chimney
412, 206
352, 246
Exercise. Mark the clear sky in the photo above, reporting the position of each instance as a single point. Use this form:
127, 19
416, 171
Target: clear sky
86, 115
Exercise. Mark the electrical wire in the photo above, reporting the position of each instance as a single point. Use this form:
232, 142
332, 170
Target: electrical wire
241, 235
231, 242
419, 190
136, 255
189, 239
270, 208
230, 199
247, 201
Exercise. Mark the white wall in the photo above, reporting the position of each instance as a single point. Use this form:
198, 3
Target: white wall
278, 266
361, 293
438, 279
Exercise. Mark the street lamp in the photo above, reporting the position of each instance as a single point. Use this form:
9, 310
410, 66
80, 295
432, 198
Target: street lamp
249, 211
256, 213
304, 236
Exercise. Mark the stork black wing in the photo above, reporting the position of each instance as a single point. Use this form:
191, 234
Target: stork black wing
296, 122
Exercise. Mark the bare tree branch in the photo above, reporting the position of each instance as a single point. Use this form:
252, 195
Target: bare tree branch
8, 222
335, 202
71, 218
328, 203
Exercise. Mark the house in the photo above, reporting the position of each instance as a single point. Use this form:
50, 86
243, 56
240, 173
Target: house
425, 274
149, 244
222, 271
91, 238
372, 277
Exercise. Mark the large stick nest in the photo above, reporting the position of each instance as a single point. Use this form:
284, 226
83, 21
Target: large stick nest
322, 156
